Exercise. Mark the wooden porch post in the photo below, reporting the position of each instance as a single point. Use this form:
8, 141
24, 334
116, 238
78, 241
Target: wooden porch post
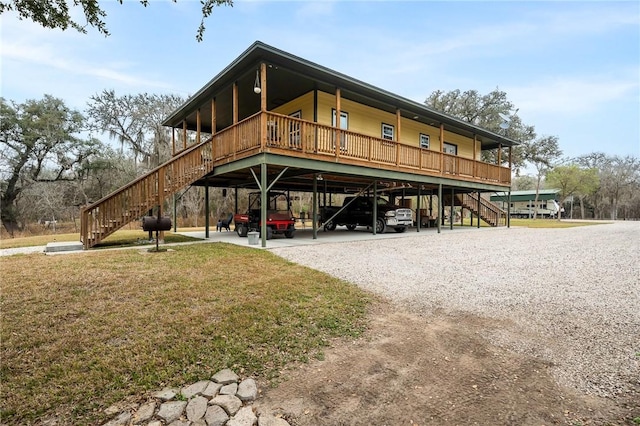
198, 126
441, 148
475, 158
338, 120
184, 134
173, 140
214, 125
234, 101
499, 155
263, 105
398, 134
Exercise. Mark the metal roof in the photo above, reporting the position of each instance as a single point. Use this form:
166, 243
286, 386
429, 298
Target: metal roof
308, 75
543, 195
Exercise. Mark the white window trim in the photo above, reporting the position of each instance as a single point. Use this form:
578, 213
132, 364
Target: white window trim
424, 137
390, 127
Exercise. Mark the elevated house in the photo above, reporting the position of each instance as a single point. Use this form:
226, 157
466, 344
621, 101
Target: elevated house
272, 120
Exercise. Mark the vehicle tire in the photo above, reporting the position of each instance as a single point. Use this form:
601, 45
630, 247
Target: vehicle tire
269, 233
351, 227
400, 229
242, 230
289, 233
380, 226
330, 226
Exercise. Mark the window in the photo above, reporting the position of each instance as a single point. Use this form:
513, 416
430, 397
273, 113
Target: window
424, 141
344, 119
388, 132
344, 125
449, 148
294, 130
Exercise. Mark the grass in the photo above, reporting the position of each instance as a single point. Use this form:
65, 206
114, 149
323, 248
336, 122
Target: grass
123, 237
83, 331
550, 223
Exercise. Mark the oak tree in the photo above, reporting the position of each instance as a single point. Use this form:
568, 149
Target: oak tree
40, 141
59, 13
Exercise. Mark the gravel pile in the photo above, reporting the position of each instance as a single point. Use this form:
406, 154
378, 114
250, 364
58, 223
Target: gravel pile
570, 296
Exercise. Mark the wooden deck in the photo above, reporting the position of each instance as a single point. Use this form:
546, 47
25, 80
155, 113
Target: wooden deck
299, 138
277, 134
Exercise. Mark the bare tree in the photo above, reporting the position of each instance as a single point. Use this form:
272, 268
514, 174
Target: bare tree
135, 122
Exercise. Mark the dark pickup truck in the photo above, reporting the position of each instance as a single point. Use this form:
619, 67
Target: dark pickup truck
358, 211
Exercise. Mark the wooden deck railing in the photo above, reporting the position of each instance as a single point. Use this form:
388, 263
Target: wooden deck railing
303, 138
489, 212
284, 135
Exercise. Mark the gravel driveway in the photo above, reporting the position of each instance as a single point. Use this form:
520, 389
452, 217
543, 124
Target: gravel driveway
570, 296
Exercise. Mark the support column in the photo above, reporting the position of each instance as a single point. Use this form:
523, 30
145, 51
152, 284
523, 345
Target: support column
175, 213
160, 199
509, 207
418, 219
440, 208
314, 208
263, 203
206, 211
452, 211
235, 196
375, 206
479, 207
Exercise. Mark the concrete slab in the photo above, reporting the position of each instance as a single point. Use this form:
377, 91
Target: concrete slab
304, 237
63, 246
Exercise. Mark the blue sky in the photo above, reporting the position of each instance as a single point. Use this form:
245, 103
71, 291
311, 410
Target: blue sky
572, 68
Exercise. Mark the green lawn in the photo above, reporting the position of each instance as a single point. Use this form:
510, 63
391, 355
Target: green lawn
83, 331
551, 223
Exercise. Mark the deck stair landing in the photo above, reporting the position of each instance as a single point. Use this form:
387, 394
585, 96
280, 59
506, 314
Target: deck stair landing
134, 200
488, 212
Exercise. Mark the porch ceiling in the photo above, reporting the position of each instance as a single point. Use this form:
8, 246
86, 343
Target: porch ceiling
288, 77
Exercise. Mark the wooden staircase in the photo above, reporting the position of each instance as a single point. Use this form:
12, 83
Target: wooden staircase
489, 212
132, 201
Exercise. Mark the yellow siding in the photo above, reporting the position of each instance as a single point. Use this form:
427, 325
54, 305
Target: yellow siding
362, 119
465, 145
411, 133
368, 121
304, 103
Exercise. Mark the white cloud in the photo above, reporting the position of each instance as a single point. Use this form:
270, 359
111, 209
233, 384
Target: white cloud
571, 95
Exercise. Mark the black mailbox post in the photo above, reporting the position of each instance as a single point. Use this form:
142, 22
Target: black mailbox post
157, 224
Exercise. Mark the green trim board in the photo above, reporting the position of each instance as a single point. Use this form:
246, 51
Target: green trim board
543, 195
302, 166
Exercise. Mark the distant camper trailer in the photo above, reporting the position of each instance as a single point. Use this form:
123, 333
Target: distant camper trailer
522, 204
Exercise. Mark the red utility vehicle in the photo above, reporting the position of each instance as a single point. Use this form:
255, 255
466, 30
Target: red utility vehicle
280, 220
